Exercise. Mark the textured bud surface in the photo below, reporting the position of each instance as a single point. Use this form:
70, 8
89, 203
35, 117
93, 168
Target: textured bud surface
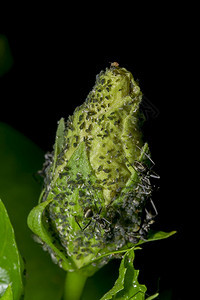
97, 179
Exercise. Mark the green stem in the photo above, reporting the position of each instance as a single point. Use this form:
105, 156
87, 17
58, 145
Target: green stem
74, 285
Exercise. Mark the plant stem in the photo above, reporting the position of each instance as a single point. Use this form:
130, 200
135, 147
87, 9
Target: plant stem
74, 285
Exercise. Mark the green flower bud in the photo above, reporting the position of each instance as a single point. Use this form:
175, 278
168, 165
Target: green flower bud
97, 178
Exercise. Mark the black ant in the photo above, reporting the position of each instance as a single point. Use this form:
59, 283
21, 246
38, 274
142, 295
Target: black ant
146, 173
88, 213
138, 166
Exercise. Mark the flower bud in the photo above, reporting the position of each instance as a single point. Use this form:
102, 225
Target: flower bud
97, 180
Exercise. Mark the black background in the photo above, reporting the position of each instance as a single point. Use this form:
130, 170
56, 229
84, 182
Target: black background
57, 53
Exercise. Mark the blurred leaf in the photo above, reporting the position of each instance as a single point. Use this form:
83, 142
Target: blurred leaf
127, 286
20, 159
8, 295
10, 266
6, 59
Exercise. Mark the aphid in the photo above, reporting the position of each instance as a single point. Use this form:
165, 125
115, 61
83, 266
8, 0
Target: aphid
89, 214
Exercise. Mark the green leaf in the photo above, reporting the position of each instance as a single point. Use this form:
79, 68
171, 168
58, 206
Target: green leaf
35, 223
20, 159
8, 295
10, 263
154, 235
127, 286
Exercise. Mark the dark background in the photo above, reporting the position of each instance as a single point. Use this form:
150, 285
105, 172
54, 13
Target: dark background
56, 56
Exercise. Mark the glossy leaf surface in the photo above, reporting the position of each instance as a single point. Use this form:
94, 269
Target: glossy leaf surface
10, 267
8, 295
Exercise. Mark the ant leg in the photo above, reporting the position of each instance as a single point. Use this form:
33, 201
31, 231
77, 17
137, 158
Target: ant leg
103, 218
154, 175
100, 210
105, 225
95, 225
87, 225
147, 156
130, 164
78, 223
154, 207
149, 215
106, 220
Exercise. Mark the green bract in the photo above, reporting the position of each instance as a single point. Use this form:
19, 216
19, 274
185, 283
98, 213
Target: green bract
96, 182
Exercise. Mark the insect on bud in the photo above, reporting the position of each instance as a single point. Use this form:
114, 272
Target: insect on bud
97, 180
